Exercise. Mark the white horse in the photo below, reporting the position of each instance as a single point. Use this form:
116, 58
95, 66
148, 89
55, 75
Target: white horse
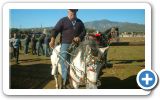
86, 61
84, 67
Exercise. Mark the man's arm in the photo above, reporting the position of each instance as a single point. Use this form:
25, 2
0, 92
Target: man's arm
57, 29
83, 32
52, 41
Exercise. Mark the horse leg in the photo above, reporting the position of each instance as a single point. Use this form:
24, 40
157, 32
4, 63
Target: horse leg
91, 84
60, 82
56, 79
104, 54
55, 74
75, 85
91, 79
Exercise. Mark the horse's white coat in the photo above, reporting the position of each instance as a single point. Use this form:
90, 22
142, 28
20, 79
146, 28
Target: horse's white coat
80, 65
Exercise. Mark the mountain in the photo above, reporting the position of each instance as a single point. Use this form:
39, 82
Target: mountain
102, 25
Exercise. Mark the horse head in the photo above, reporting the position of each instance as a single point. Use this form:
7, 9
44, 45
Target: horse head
112, 34
92, 59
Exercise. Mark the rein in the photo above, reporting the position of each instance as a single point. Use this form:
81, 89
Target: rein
70, 64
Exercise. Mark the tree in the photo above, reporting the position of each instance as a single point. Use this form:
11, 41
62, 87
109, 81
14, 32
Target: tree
90, 30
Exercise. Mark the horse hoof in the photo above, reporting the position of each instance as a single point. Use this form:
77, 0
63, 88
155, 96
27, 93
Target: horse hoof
64, 87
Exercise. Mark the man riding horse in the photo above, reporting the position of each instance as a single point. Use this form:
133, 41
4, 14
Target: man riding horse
71, 29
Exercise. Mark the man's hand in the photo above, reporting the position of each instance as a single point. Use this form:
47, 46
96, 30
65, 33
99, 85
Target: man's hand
77, 39
52, 42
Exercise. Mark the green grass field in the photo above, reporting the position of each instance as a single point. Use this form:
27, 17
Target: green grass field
132, 39
124, 64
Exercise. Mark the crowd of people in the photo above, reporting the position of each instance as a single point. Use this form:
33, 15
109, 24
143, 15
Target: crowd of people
35, 44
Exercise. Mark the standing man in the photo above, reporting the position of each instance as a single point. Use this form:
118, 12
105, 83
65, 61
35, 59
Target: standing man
16, 46
33, 44
26, 43
46, 43
71, 29
40, 44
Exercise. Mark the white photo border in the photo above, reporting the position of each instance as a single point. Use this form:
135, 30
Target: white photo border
6, 78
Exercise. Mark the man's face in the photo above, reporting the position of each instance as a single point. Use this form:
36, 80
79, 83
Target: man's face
15, 35
71, 14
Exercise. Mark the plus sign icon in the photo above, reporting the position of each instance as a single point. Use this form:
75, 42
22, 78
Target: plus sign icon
147, 79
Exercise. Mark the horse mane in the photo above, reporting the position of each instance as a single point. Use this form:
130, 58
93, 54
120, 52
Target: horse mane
91, 43
108, 31
82, 47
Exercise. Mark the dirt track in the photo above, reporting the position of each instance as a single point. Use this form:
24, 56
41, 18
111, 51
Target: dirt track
33, 72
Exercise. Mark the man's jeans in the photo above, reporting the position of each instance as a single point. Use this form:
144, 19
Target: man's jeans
66, 57
16, 54
26, 48
40, 47
47, 50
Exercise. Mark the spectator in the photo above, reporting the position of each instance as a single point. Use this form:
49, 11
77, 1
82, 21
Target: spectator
11, 48
16, 43
26, 43
33, 44
40, 45
46, 44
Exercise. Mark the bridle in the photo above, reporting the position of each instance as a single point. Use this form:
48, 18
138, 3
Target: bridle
90, 60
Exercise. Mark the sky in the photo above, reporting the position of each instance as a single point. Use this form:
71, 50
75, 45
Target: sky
34, 18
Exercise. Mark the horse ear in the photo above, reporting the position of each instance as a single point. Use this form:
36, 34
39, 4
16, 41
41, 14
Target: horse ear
117, 29
112, 29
